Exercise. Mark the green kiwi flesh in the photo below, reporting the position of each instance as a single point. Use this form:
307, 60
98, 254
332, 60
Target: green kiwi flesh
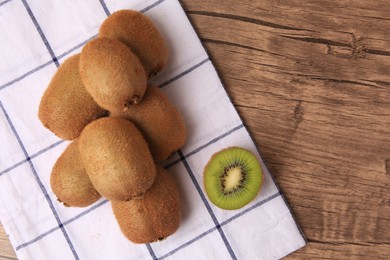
232, 178
116, 158
155, 215
159, 121
69, 181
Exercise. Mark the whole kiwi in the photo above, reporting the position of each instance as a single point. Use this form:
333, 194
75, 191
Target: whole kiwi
116, 158
159, 121
138, 32
69, 181
66, 107
155, 215
112, 74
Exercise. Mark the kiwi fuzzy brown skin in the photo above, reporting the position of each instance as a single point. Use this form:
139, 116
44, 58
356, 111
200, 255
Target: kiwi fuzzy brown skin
160, 122
116, 158
66, 107
69, 181
154, 216
138, 32
112, 74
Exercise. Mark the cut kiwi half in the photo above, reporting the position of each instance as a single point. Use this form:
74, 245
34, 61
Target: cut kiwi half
232, 178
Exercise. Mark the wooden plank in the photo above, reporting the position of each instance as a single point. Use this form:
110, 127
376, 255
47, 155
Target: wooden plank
316, 250
7, 258
311, 81
340, 20
6, 250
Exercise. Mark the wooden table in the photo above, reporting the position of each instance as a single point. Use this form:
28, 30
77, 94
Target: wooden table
311, 80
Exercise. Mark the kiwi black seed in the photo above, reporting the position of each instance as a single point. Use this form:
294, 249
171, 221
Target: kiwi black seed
232, 178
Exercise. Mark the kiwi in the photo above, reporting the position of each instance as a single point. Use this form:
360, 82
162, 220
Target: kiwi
232, 178
159, 121
112, 74
116, 158
69, 181
138, 32
66, 107
154, 216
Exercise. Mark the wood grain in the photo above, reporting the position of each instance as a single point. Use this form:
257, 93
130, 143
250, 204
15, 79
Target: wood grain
311, 80
6, 250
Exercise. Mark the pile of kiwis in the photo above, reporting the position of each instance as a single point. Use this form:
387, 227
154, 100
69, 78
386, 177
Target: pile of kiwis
120, 126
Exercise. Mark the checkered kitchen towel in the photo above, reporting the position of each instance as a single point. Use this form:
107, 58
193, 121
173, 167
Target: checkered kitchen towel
36, 36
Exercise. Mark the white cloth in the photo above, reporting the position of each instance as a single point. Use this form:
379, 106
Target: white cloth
36, 36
